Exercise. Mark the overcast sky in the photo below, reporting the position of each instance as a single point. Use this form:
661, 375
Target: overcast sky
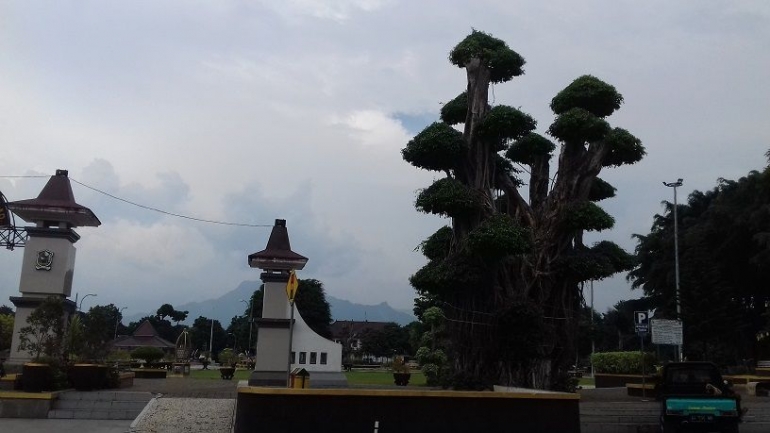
248, 111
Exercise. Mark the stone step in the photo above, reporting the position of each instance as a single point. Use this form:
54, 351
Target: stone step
94, 414
99, 405
106, 395
116, 405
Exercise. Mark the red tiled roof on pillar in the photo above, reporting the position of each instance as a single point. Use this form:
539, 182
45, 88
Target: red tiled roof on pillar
278, 254
55, 204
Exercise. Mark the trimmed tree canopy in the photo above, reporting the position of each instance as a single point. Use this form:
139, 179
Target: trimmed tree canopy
588, 93
504, 123
448, 197
437, 147
502, 62
624, 148
507, 272
529, 148
578, 126
454, 111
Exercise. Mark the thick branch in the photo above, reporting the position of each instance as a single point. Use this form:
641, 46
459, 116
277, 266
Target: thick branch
522, 210
538, 185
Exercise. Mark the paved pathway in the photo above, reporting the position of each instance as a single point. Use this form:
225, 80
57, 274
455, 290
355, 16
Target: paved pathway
187, 388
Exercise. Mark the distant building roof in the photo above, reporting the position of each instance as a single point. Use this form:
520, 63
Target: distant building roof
145, 336
342, 329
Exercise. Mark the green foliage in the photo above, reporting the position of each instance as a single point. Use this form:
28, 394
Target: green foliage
44, 333
601, 190
503, 123
200, 334
455, 273
167, 310
99, 330
118, 355
503, 63
503, 165
624, 148
618, 257
454, 111
148, 354
498, 237
227, 357
434, 365
589, 93
500, 323
393, 338
449, 197
433, 316
399, 365
438, 147
622, 362
312, 305
603, 260
577, 126
588, 216
74, 339
6, 331
530, 148
437, 245
723, 257
164, 311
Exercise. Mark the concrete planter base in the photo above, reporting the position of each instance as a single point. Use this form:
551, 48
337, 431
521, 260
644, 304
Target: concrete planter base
268, 410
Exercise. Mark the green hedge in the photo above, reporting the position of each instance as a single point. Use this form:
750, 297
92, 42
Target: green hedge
622, 363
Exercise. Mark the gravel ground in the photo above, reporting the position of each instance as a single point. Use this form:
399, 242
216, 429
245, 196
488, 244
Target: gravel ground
186, 415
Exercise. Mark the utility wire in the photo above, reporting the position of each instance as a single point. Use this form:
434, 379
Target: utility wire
203, 220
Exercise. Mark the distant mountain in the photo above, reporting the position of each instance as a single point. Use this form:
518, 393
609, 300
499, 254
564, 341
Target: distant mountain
382, 312
229, 305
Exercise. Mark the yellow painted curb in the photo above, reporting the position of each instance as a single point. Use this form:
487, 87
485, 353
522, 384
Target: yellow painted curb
397, 393
20, 395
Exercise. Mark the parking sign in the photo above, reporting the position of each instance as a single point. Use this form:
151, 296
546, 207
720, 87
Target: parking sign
642, 322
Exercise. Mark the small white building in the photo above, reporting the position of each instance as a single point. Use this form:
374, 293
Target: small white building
321, 357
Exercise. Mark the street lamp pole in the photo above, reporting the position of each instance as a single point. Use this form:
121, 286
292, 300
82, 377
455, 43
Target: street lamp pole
675, 185
80, 306
117, 321
251, 321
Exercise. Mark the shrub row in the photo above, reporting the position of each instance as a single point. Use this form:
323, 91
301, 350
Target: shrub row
623, 362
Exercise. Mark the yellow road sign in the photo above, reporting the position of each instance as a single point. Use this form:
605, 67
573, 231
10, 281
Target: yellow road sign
291, 286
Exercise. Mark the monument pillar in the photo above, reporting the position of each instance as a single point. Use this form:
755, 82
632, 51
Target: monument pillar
48, 265
276, 261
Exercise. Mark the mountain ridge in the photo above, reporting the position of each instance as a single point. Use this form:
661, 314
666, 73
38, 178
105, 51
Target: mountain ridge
225, 307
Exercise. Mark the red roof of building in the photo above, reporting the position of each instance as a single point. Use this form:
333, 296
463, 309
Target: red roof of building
350, 328
144, 336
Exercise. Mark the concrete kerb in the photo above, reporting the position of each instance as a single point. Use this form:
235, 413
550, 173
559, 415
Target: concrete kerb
138, 419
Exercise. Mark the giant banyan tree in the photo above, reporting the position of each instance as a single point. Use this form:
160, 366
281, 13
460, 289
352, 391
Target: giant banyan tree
508, 271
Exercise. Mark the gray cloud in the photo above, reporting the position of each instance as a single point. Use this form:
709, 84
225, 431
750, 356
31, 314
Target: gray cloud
251, 111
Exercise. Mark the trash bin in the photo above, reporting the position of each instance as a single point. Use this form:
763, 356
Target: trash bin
300, 378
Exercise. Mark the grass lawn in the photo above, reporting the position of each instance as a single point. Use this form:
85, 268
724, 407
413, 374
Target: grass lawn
214, 374
586, 381
380, 378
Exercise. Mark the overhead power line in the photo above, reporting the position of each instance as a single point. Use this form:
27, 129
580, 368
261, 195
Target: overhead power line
150, 208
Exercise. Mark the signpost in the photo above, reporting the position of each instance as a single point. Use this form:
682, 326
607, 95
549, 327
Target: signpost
667, 332
641, 323
291, 292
